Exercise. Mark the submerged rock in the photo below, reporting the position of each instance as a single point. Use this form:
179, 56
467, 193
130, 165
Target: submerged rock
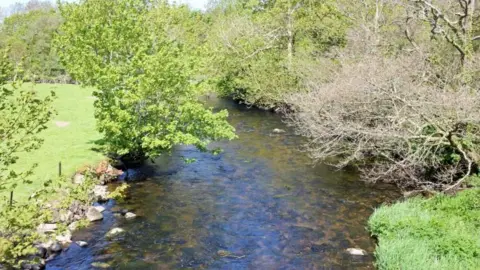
115, 231
81, 243
93, 214
278, 131
356, 251
130, 215
102, 265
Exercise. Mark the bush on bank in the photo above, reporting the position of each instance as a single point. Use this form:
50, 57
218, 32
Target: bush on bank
19, 221
442, 232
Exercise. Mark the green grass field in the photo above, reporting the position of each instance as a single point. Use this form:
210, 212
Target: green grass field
440, 233
69, 138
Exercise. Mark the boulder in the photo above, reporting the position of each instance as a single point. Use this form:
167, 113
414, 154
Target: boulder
46, 228
100, 193
356, 251
78, 179
93, 214
65, 238
73, 226
78, 209
100, 208
115, 231
101, 168
66, 216
56, 247
81, 243
130, 215
41, 251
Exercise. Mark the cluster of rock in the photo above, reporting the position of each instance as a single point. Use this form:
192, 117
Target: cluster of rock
77, 211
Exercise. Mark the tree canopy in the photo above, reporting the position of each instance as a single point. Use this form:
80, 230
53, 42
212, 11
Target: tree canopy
146, 102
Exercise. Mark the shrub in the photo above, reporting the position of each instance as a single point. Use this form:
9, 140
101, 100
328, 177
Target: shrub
389, 117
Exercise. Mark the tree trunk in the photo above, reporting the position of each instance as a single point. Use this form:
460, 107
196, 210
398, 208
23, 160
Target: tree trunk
290, 34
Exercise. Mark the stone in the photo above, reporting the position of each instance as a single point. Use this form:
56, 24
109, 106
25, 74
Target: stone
356, 251
102, 265
117, 209
56, 247
51, 257
101, 167
100, 192
100, 208
130, 215
46, 228
112, 172
115, 231
66, 216
46, 245
73, 226
78, 179
41, 252
81, 243
93, 214
278, 131
77, 208
38, 266
65, 238
102, 180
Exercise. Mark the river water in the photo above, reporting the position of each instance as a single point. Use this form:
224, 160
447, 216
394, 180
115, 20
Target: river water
258, 205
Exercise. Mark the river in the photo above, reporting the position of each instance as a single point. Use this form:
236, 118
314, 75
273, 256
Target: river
260, 204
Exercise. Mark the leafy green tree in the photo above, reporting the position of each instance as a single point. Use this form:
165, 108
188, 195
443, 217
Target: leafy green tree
258, 46
29, 36
23, 115
146, 102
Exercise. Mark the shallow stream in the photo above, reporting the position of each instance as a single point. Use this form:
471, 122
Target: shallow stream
258, 205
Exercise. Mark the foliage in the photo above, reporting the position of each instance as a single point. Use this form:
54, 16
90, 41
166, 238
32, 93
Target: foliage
146, 103
24, 115
19, 222
18, 230
119, 193
29, 35
437, 233
257, 47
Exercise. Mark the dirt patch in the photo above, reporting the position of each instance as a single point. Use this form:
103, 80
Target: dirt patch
62, 124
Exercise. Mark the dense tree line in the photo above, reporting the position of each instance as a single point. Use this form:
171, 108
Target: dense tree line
320, 58
28, 33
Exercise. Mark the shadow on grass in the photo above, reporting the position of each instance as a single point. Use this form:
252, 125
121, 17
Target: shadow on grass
99, 146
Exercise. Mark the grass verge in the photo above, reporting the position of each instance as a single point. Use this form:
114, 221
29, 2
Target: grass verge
442, 232
69, 139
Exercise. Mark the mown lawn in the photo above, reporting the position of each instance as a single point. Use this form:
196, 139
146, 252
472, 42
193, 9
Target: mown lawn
69, 138
439, 233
